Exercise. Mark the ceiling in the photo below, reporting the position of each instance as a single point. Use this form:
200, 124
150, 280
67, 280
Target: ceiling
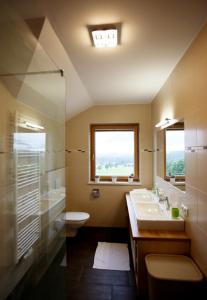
154, 36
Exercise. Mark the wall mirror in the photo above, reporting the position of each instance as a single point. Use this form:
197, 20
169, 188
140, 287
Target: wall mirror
171, 154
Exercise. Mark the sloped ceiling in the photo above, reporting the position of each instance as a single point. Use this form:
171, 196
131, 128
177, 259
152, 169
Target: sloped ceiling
155, 35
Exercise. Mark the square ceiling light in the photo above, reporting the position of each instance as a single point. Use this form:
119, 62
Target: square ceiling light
104, 36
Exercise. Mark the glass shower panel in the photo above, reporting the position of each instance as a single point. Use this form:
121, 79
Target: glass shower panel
48, 120
32, 157
32, 173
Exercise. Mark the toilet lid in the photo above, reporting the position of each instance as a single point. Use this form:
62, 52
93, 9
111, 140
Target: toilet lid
172, 267
76, 216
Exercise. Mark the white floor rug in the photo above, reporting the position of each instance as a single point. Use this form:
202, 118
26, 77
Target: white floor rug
112, 256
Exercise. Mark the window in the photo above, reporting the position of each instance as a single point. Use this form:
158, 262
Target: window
175, 152
114, 151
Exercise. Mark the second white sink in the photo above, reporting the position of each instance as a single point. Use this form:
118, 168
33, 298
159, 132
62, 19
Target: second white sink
149, 211
151, 215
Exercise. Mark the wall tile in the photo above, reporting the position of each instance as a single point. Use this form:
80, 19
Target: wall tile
202, 212
190, 131
199, 248
191, 201
202, 170
191, 174
201, 128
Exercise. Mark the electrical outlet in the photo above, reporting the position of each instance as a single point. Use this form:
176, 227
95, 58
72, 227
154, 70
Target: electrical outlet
184, 210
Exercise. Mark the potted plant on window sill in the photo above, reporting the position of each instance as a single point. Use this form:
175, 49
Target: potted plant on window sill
114, 179
97, 179
131, 178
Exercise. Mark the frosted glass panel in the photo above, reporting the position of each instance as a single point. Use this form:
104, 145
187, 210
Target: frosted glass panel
32, 155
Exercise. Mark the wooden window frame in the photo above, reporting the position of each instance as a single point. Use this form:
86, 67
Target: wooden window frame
114, 127
176, 126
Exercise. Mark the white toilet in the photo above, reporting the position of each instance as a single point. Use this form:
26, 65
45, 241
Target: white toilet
75, 220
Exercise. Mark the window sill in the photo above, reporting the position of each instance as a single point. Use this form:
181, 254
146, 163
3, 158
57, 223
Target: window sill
115, 183
178, 183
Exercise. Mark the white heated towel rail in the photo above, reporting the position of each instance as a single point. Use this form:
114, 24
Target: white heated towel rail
27, 200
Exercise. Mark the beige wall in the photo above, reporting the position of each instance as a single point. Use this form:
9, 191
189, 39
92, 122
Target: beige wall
184, 95
109, 209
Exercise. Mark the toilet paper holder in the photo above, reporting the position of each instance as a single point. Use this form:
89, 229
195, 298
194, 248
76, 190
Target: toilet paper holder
95, 193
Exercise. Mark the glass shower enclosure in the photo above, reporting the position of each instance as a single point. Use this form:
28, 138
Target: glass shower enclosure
32, 157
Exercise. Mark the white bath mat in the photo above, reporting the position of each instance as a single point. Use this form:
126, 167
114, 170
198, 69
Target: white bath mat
112, 256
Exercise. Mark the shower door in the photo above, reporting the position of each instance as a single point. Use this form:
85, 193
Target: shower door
32, 156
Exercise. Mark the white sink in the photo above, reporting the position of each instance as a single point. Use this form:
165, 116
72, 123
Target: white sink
149, 211
151, 215
142, 196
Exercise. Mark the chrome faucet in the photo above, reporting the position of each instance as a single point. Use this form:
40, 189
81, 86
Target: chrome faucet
166, 200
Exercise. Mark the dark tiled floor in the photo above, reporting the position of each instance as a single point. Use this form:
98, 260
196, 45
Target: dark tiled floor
93, 284
79, 281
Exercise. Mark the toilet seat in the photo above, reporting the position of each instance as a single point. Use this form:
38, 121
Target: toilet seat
76, 216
